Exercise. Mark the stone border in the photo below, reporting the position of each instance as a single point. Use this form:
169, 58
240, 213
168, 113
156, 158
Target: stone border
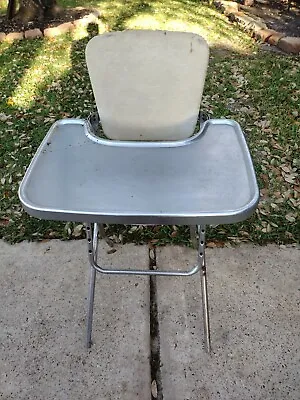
61, 29
257, 28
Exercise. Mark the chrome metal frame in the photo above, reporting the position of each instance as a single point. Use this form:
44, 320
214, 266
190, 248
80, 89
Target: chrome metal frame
92, 240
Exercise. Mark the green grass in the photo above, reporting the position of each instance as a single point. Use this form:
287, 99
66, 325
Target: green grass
44, 80
3, 5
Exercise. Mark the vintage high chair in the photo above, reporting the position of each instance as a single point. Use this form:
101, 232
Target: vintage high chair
152, 167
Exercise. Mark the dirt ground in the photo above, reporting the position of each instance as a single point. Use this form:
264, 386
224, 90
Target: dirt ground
66, 16
277, 16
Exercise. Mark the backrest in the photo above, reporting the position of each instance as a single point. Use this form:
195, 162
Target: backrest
147, 84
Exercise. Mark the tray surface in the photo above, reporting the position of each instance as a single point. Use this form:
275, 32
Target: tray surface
206, 179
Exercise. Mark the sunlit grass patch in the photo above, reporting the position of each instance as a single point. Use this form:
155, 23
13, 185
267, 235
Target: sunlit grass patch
45, 65
177, 15
3, 6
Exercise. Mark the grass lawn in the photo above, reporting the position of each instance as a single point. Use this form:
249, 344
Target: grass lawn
44, 80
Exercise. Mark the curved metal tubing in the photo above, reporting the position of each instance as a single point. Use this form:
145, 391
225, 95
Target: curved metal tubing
138, 143
193, 271
91, 294
92, 240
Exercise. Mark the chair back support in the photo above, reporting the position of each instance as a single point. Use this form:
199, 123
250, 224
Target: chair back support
147, 84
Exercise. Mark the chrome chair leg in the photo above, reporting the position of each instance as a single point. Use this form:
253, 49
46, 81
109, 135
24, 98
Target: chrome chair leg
91, 294
90, 307
92, 239
201, 260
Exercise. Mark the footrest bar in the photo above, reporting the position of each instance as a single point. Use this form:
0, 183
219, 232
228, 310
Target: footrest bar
193, 271
92, 239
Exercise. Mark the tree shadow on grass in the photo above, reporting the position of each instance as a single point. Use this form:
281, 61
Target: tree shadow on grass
13, 67
171, 13
22, 128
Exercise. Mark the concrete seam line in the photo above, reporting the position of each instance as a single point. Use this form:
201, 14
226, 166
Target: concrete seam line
155, 361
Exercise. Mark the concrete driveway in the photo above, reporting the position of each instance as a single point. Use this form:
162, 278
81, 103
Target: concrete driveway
149, 343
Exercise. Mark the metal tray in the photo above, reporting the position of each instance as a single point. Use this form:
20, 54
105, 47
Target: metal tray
75, 176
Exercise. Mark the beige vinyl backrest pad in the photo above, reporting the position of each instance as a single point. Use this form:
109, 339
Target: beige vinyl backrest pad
147, 84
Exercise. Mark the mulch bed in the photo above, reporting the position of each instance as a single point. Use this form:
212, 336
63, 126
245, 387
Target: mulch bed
277, 16
67, 15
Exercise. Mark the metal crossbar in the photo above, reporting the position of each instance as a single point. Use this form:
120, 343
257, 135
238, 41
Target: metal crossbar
92, 240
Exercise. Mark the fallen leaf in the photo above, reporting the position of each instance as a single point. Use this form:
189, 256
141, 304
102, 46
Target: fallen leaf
4, 117
285, 169
243, 233
290, 178
290, 218
277, 195
77, 230
294, 202
52, 234
154, 389
111, 251
211, 245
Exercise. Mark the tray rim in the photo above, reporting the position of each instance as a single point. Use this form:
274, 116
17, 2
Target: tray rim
227, 216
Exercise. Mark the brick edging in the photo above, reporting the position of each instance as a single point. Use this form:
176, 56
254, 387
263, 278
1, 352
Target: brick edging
93, 17
257, 28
